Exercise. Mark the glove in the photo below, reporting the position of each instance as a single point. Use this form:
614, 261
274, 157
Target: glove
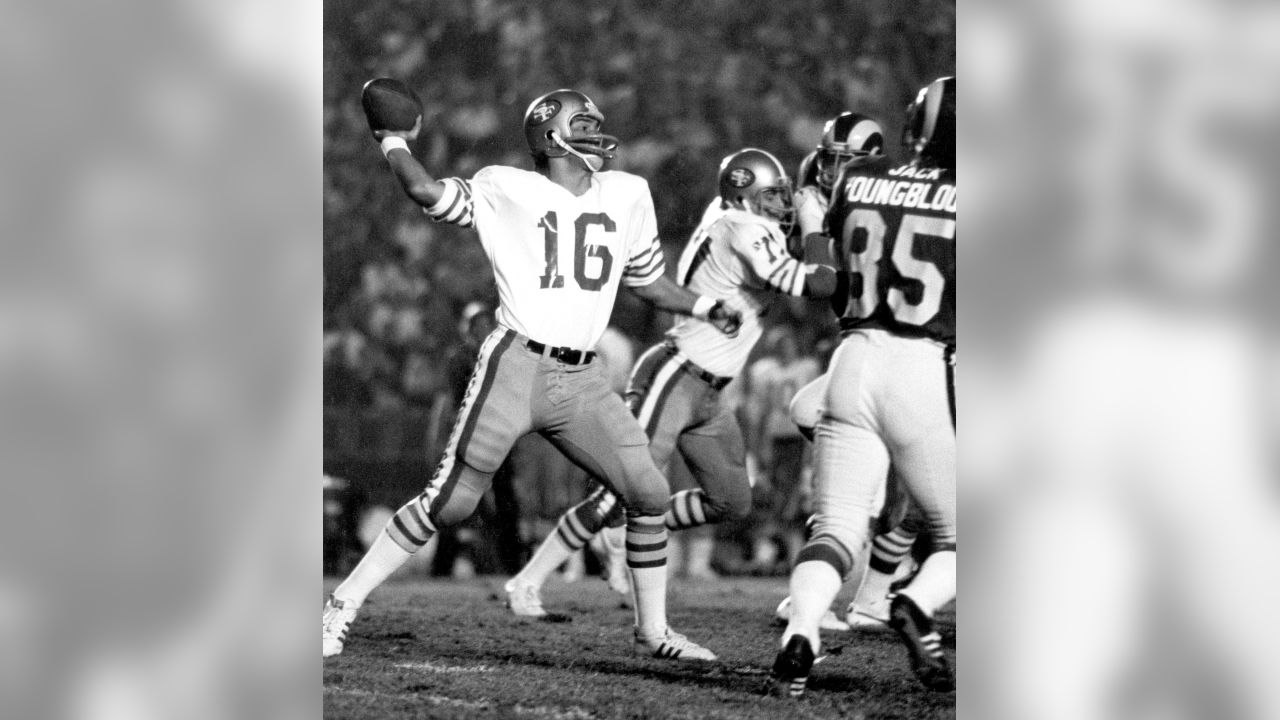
726, 319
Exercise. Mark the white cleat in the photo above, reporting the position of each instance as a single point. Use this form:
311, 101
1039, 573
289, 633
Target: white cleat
523, 598
337, 619
829, 620
673, 646
867, 618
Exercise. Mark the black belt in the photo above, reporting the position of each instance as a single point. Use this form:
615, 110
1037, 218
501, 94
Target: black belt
568, 356
716, 382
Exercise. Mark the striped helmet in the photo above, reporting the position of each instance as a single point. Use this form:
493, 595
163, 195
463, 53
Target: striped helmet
845, 137
930, 129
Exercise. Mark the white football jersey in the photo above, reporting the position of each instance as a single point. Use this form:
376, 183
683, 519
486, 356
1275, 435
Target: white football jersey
558, 259
742, 259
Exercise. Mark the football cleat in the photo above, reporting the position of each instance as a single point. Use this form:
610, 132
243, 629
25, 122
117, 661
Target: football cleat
672, 646
923, 643
791, 669
336, 619
523, 598
829, 620
874, 617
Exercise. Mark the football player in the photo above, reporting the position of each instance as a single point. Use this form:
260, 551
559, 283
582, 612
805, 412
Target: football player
562, 239
846, 138
889, 393
737, 253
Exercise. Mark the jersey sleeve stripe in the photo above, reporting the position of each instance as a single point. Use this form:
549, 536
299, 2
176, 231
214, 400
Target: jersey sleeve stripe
788, 277
455, 205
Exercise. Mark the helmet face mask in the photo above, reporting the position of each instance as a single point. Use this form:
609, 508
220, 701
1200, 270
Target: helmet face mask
553, 128
846, 137
753, 180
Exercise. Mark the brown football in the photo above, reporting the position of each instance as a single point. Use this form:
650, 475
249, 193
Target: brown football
389, 104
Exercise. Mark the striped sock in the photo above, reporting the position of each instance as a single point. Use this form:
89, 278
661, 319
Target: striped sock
389, 551
686, 510
647, 559
888, 549
573, 531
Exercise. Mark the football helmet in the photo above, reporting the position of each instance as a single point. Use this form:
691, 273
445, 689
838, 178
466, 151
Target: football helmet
753, 180
548, 128
930, 128
845, 137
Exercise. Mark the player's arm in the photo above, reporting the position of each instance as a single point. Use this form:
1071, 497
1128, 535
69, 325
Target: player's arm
414, 179
664, 294
811, 212
767, 255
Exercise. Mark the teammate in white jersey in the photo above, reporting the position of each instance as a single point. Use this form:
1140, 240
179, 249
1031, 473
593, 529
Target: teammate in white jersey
561, 238
738, 253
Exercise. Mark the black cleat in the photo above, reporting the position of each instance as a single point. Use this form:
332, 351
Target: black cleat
791, 668
923, 643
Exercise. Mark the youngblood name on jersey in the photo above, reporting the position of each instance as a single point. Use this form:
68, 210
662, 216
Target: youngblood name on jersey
894, 230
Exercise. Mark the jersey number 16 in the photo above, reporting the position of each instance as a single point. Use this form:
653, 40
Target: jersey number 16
551, 277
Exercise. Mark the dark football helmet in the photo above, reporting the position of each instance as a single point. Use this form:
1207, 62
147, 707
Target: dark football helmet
548, 128
930, 128
753, 180
846, 136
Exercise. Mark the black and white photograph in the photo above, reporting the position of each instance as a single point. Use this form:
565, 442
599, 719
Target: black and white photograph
639, 360
588, 361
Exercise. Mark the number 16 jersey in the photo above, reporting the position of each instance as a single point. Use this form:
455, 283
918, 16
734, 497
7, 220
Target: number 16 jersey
557, 258
894, 230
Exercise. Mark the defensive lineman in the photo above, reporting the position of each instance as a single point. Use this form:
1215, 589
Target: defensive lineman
889, 397
737, 253
561, 240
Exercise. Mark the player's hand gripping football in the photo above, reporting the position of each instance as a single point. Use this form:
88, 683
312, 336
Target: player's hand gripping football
409, 135
726, 319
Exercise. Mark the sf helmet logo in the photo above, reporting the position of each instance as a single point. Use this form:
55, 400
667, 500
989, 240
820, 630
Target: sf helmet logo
741, 177
545, 111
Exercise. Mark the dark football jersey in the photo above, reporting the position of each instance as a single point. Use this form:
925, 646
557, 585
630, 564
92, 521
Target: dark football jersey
894, 229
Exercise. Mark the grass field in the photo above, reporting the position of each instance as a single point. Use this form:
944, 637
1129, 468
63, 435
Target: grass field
446, 649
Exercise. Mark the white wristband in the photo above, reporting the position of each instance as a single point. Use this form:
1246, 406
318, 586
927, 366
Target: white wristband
393, 142
702, 307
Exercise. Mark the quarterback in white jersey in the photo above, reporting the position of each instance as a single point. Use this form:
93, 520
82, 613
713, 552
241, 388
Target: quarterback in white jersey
738, 253
561, 239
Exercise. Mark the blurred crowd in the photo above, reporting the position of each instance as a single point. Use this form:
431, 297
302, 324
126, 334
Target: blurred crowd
402, 294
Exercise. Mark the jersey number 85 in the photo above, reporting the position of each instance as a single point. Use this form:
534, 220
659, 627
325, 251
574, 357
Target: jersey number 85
915, 297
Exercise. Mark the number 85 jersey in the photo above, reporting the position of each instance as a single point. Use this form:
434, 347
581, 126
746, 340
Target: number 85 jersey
894, 230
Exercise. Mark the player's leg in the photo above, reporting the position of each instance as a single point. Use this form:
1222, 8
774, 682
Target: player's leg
870, 606
716, 455
806, 406
579, 524
917, 424
806, 412
595, 430
851, 464
573, 531
494, 413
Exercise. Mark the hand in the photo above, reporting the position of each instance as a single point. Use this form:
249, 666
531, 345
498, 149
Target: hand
726, 319
409, 135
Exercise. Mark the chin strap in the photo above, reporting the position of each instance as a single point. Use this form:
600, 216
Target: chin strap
593, 163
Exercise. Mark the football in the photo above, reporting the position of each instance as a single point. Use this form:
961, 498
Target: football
389, 104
